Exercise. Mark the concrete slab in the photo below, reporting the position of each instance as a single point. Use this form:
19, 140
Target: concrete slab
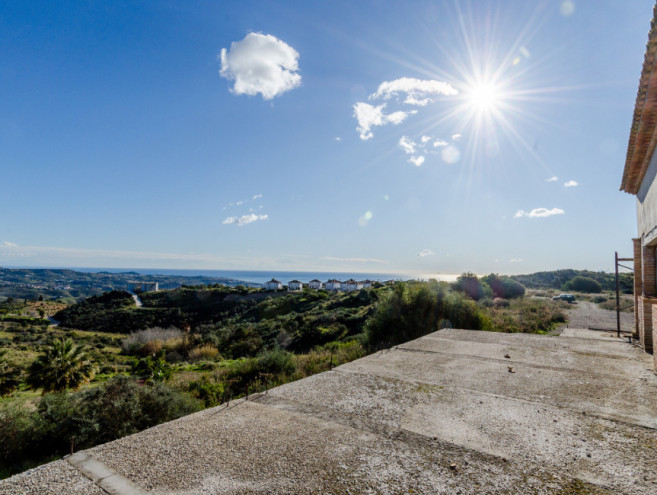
446, 413
578, 356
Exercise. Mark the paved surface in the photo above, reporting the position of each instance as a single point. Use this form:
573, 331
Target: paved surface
447, 413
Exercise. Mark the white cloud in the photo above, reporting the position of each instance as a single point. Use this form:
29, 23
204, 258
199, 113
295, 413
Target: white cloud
571, 183
516, 260
10, 244
257, 196
338, 138
369, 116
456, 137
239, 203
539, 213
554, 178
416, 160
439, 143
424, 139
418, 91
425, 252
244, 219
407, 145
260, 63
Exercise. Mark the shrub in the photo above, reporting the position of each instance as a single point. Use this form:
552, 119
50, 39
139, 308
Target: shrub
504, 287
583, 284
470, 284
210, 392
18, 436
275, 362
10, 376
152, 368
117, 408
204, 352
136, 341
410, 310
501, 303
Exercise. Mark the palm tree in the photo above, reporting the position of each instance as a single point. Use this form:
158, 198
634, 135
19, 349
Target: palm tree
62, 366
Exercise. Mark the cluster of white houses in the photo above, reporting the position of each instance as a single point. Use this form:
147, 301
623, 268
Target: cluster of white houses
336, 285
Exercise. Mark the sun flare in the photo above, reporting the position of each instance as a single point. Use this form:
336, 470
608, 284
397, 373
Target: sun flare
484, 97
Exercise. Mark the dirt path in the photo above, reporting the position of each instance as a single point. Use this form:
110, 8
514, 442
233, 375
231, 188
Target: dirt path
586, 314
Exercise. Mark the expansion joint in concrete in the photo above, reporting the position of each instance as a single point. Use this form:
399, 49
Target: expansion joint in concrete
102, 476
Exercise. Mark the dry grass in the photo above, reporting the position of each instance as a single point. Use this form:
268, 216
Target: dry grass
526, 315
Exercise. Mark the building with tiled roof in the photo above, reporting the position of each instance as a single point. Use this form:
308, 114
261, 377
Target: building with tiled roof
273, 284
639, 179
294, 285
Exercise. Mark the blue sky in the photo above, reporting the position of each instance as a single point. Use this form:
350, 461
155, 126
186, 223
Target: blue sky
373, 136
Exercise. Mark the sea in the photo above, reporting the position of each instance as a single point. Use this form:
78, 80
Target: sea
260, 277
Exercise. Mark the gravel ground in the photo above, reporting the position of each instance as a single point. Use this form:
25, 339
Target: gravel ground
55, 478
586, 314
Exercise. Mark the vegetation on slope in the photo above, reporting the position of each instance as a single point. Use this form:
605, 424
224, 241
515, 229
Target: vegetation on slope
203, 345
559, 278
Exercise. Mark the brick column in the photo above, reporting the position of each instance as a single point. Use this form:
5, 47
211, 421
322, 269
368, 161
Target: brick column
649, 321
649, 290
648, 271
638, 285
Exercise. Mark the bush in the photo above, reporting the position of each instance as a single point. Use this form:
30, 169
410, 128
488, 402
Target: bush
210, 392
117, 408
470, 284
204, 352
152, 368
504, 287
146, 340
19, 435
276, 362
583, 284
410, 310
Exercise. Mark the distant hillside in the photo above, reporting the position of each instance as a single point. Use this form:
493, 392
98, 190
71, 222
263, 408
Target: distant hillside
557, 278
70, 285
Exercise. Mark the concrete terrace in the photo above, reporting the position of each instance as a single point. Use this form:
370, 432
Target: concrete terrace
456, 411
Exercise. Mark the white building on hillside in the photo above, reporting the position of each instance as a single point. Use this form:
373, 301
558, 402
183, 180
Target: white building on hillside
273, 284
294, 285
333, 284
351, 285
315, 284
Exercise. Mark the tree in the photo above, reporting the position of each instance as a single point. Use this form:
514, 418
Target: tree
62, 366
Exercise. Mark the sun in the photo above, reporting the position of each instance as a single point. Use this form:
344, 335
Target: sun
484, 97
